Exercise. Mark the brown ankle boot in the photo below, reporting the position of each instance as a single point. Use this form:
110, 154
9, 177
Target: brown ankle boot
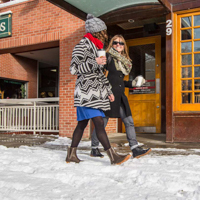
71, 155
115, 158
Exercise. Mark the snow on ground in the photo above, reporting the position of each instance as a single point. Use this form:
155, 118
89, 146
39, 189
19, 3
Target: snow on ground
40, 173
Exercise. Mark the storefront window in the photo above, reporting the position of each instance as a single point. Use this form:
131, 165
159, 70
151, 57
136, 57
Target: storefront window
196, 46
197, 59
187, 59
48, 80
186, 97
188, 68
197, 20
187, 85
197, 72
185, 22
187, 72
13, 89
196, 33
186, 47
197, 97
143, 59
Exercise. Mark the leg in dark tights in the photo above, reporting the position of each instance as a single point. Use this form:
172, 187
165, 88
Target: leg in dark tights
101, 133
78, 132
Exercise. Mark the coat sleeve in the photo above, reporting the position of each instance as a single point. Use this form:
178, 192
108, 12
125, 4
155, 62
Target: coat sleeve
107, 84
104, 78
83, 61
128, 84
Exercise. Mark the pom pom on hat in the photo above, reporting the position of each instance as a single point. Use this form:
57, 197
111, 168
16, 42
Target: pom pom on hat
90, 16
94, 24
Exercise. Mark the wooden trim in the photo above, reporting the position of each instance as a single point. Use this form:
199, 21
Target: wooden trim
174, 62
166, 4
186, 5
169, 86
179, 106
187, 11
186, 114
69, 8
30, 47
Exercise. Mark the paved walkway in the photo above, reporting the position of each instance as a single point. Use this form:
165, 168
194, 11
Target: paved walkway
16, 140
118, 140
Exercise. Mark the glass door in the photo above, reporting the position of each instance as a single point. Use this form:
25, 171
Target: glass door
145, 101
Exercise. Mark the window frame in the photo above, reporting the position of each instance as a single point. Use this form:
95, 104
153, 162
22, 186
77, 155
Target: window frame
177, 80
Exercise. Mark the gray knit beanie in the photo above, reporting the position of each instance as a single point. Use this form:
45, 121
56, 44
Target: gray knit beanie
94, 24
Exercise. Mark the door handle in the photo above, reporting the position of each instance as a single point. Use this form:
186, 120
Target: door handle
157, 86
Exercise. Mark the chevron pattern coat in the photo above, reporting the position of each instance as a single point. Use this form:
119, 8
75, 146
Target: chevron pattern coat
92, 87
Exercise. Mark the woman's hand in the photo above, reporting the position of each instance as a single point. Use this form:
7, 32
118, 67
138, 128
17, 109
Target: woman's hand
134, 82
101, 60
111, 97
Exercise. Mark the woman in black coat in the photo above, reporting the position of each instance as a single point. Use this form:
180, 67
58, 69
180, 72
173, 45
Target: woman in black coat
118, 65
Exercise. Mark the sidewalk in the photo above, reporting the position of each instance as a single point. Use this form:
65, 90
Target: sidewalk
152, 140
117, 140
17, 140
157, 143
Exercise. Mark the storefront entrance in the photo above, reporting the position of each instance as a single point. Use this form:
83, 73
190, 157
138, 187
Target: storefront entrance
145, 101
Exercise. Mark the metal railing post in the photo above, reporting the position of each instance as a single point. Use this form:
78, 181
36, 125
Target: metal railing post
34, 117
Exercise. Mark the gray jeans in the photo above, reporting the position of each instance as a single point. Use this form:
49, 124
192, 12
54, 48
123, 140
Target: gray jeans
129, 126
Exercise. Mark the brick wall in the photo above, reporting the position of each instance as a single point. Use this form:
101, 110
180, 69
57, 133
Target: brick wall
36, 22
20, 68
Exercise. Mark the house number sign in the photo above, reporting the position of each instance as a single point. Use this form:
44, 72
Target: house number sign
169, 27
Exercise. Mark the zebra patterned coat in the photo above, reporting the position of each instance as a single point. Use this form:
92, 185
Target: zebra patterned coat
92, 88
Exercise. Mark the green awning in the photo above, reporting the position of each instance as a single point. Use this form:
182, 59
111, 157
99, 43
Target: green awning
100, 7
115, 12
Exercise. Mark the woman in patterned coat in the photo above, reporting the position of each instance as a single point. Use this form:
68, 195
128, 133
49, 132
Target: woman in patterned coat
93, 92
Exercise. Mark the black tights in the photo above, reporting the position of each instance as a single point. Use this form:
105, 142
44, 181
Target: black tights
100, 130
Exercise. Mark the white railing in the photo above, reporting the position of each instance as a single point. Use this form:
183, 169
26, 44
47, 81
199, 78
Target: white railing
29, 115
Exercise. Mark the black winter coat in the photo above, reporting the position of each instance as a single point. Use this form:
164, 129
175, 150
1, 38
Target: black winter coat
118, 88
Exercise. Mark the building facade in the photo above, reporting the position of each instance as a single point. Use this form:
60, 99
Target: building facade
164, 45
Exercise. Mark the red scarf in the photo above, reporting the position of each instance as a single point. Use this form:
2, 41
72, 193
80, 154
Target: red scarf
96, 41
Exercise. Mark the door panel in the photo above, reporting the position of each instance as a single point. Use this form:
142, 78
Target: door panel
145, 101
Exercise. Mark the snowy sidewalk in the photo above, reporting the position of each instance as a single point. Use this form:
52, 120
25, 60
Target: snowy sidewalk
16, 140
40, 173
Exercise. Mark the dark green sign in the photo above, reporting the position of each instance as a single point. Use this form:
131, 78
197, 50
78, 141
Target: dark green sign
5, 25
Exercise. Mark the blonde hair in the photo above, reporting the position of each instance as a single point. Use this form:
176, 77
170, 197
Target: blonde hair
125, 51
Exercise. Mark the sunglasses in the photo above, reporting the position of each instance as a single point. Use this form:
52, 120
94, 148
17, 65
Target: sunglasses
120, 43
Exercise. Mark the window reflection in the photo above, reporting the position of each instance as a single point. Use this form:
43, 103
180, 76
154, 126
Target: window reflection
186, 22
187, 85
197, 72
186, 72
197, 97
186, 34
186, 47
196, 33
197, 46
196, 58
197, 84
186, 97
143, 59
197, 20
187, 59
